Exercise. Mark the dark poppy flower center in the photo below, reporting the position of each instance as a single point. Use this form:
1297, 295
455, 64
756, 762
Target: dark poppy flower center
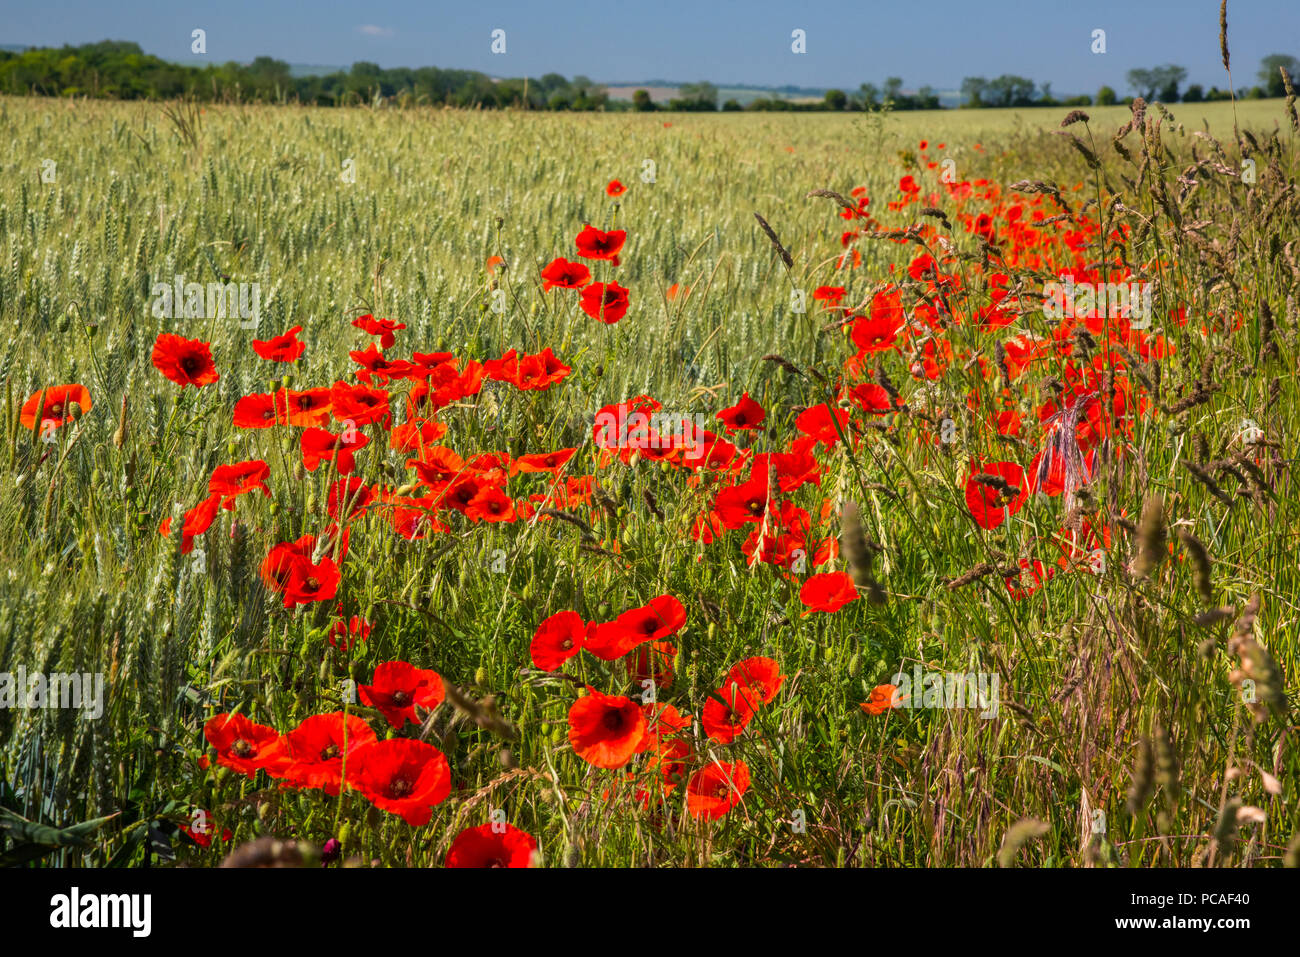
330, 753
400, 787
614, 720
566, 644
649, 626
56, 409
402, 698
191, 364
720, 792
241, 749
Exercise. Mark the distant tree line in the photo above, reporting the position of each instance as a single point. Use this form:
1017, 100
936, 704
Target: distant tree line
121, 70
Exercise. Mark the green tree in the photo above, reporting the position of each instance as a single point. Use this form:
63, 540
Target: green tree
1160, 82
641, 101
974, 88
1106, 97
1271, 76
835, 100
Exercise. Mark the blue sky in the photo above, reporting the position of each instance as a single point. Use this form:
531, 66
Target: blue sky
725, 41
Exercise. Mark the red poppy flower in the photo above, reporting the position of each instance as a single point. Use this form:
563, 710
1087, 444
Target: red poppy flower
871, 398
492, 845
312, 754
307, 582
402, 776
562, 274
745, 414
615, 188
184, 361
384, 328
652, 662
257, 411
241, 745
283, 348
373, 365
310, 407
350, 493
539, 372
714, 790
346, 635
414, 519
197, 521
552, 462
557, 639
874, 334
399, 687
605, 730
828, 592
459, 492
881, 700
437, 466
52, 404
989, 504
416, 435
592, 243
490, 504
604, 301
360, 405
831, 295
726, 713
201, 831
817, 423
320, 446
661, 617
275, 567
1029, 578
761, 675
232, 481
742, 504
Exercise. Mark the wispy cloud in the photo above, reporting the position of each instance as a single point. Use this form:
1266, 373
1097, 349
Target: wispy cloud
371, 30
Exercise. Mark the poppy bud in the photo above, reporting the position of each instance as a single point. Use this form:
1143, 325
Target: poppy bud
331, 852
713, 630
855, 665
481, 676
345, 832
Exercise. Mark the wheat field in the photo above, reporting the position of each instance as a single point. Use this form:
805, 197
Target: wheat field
1131, 620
